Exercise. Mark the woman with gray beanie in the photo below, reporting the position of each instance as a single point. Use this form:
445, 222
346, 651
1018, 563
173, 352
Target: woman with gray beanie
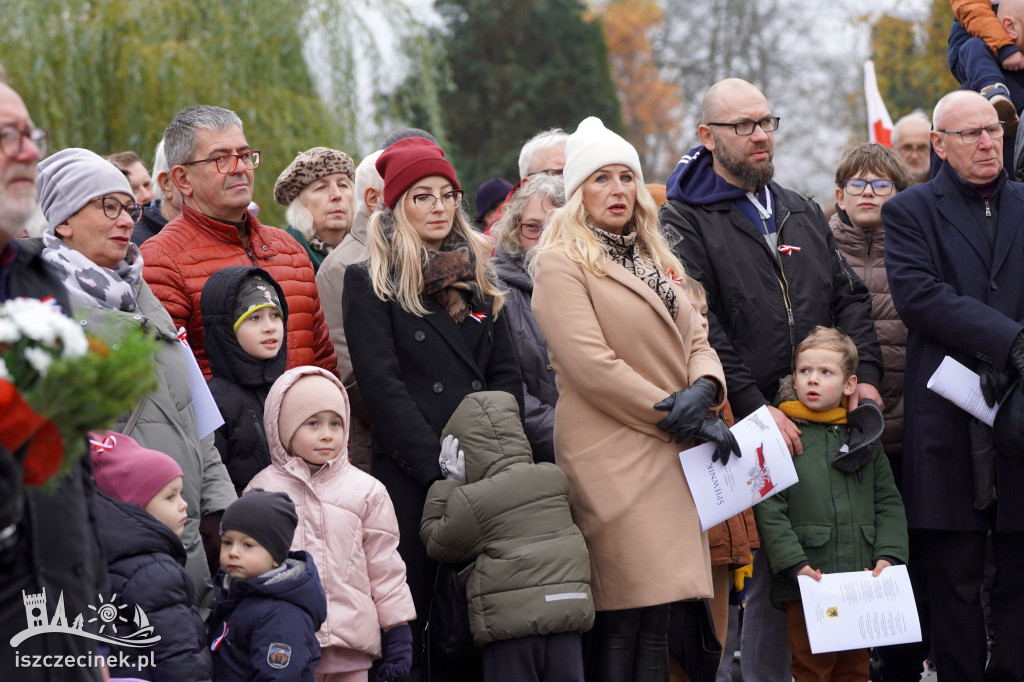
90, 210
636, 377
317, 190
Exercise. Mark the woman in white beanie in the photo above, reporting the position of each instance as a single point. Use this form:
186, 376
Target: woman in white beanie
636, 378
90, 209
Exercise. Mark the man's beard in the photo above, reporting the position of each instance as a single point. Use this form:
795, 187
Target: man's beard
750, 175
16, 214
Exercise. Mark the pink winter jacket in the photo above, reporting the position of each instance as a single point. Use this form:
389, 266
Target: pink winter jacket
347, 523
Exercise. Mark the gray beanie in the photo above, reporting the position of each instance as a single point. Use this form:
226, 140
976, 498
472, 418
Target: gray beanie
73, 177
592, 147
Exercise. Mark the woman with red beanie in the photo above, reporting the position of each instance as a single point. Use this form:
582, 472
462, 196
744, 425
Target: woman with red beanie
424, 328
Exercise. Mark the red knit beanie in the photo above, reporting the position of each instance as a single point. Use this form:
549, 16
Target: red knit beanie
408, 160
127, 471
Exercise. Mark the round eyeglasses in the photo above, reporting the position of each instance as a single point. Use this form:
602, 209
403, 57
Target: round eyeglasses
112, 208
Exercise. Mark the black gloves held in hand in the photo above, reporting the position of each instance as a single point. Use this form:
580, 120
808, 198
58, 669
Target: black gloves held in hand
715, 431
994, 383
687, 409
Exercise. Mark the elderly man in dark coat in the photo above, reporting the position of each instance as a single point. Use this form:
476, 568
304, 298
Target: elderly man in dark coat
954, 254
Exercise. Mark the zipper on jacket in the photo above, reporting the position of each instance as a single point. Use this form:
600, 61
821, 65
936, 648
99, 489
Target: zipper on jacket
784, 285
844, 266
871, 240
258, 424
991, 231
249, 254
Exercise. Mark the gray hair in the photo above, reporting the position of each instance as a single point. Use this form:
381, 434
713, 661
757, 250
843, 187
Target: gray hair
367, 177
915, 115
506, 230
180, 134
544, 140
299, 217
159, 166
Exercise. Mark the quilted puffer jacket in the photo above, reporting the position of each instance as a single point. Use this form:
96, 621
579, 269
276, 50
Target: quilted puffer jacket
192, 247
347, 524
531, 574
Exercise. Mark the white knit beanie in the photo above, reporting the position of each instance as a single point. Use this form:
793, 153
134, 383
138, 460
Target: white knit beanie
593, 146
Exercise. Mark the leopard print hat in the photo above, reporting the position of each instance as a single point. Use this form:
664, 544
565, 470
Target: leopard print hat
309, 166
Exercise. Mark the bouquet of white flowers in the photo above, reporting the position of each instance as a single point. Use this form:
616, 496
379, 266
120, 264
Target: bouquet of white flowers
57, 384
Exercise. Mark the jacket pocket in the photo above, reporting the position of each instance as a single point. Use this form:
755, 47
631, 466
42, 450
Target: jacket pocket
814, 540
867, 545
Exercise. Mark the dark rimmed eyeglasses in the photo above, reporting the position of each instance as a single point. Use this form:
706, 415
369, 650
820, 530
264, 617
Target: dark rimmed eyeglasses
13, 138
427, 202
973, 135
227, 164
112, 208
879, 188
546, 171
769, 124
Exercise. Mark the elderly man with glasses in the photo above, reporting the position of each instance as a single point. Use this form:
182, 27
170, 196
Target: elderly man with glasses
213, 167
772, 272
954, 252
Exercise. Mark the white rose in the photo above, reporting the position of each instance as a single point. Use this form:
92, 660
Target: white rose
39, 359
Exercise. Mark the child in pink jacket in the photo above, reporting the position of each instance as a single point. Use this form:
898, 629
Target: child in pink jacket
346, 522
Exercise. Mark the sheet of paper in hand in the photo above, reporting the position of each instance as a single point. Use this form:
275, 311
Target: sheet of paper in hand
722, 491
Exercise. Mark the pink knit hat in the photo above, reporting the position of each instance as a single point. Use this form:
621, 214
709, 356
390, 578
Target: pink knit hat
127, 471
309, 394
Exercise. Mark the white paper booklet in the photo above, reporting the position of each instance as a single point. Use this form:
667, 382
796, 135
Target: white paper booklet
765, 468
856, 611
208, 416
962, 387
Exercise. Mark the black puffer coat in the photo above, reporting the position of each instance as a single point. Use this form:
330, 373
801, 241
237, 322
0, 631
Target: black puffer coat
539, 391
240, 382
146, 561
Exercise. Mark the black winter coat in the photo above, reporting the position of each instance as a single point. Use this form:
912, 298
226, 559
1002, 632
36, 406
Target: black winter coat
412, 373
146, 561
762, 304
264, 628
539, 391
57, 548
240, 382
150, 224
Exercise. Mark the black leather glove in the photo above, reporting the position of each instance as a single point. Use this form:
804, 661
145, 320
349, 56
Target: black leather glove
687, 409
994, 383
715, 431
1017, 355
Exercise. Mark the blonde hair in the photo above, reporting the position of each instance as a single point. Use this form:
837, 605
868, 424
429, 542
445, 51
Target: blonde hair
569, 233
397, 254
830, 338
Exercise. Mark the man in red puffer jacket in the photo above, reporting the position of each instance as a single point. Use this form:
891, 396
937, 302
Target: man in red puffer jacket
213, 167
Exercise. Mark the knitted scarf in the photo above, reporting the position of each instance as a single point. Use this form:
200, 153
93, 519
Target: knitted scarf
92, 283
796, 410
320, 246
623, 249
449, 276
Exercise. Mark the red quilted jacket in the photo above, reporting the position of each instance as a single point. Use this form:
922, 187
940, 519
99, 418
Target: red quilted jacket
179, 259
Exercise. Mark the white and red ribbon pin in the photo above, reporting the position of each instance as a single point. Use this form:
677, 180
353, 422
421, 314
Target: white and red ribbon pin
479, 317
672, 276
98, 446
788, 249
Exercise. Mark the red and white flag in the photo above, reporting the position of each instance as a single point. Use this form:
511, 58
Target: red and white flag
879, 123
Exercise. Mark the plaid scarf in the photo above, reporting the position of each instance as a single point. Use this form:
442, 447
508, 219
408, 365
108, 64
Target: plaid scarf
449, 276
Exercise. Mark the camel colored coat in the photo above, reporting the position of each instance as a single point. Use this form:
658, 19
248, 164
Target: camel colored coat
616, 352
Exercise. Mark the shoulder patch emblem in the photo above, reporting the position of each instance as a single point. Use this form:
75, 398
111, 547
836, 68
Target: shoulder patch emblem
279, 655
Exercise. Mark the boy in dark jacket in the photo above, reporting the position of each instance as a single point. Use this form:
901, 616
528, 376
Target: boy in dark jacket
141, 518
269, 602
529, 587
244, 320
845, 513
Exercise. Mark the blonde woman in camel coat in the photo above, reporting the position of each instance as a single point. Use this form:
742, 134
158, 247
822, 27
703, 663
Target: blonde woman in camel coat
623, 338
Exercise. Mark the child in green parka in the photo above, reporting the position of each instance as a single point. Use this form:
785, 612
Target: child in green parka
845, 513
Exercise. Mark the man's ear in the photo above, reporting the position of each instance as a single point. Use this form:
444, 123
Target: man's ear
371, 198
1010, 26
706, 139
936, 138
181, 179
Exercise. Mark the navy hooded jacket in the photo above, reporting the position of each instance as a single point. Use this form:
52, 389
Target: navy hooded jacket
264, 628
